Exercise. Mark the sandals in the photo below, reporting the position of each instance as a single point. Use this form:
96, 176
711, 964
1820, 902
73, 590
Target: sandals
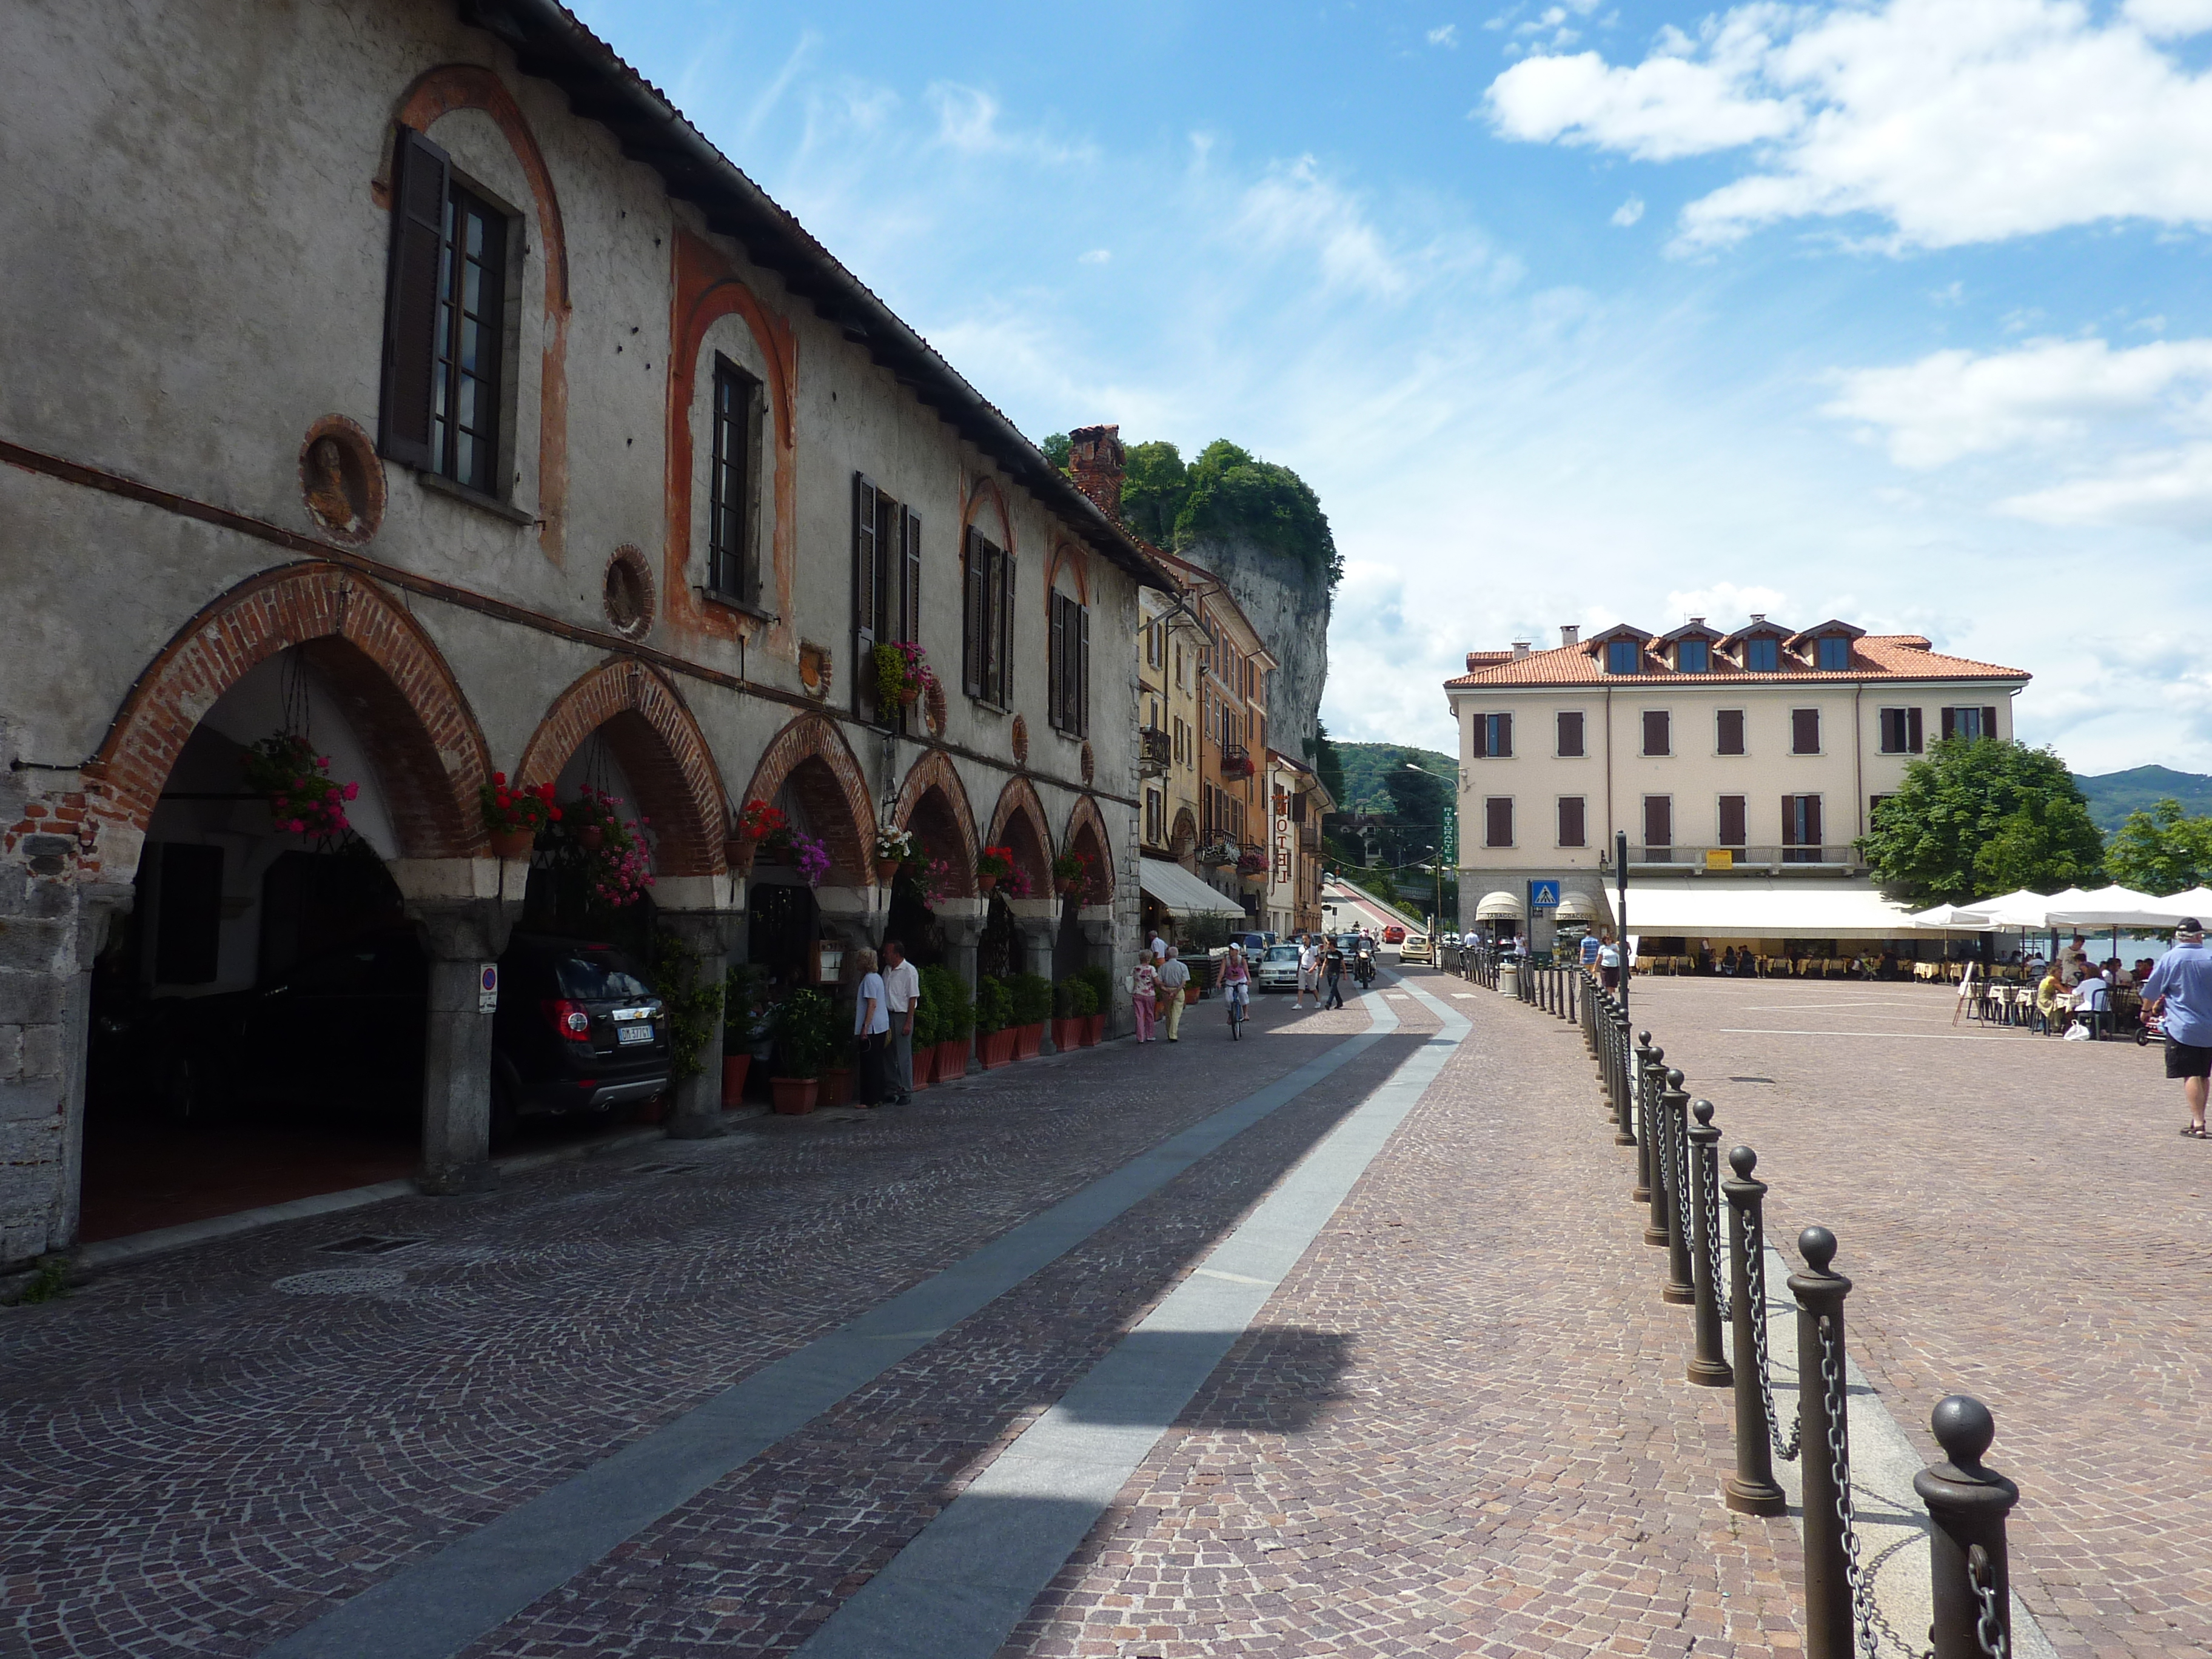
2196, 1131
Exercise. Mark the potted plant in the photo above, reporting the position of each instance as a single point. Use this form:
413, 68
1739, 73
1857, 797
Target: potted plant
902, 674
512, 816
993, 864
758, 824
1030, 996
742, 1027
1071, 873
894, 846
927, 1023
690, 1000
1073, 1002
805, 1040
994, 1022
1102, 997
302, 799
611, 850
943, 990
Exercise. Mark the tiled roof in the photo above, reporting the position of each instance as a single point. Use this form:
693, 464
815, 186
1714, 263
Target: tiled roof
1873, 656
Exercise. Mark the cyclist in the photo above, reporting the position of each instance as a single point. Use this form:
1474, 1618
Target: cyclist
1236, 987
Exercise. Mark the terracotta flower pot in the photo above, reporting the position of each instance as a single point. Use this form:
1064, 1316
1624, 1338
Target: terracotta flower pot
997, 1049
794, 1096
925, 1059
909, 691
952, 1058
1068, 1033
1190, 994
1094, 1030
985, 883
837, 1086
1029, 1041
592, 836
739, 850
734, 1068
511, 844
886, 869
1067, 887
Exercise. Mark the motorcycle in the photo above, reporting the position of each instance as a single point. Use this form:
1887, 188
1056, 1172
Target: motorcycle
1363, 966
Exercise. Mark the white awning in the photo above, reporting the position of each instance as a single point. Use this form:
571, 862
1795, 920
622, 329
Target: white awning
1182, 893
1735, 908
1577, 906
1500, 907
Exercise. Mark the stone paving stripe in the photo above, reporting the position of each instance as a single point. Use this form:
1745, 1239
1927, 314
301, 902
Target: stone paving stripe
1902, 1037
960, 1587
435, 1608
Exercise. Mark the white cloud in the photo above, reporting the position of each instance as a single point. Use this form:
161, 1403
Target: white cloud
1952, 404
2171, 489
1628, 211
1446, 34
1725, 605
968, 121
1294, 206
1954, 122
1097, 256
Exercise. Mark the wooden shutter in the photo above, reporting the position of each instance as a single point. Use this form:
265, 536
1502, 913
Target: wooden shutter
1732, 815
749, 548
1479, 738
867, 570
1989, 722
1730, 730
1002, 649
1913, 730
1057, 662
1497, 821
1082, 691
1789, 820
1658, 821
1505, 737
1812, 805
1658, 739
421, 178
1571, 733
1950, 722
975, 613
909, 621
1804, 731
1570, 821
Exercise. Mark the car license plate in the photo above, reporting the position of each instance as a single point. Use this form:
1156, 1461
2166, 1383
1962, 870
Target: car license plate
640, 1032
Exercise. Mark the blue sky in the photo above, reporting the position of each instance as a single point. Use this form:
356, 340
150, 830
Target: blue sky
1573, 311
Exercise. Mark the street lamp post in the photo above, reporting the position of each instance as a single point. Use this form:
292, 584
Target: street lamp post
1620, 907
1450, 847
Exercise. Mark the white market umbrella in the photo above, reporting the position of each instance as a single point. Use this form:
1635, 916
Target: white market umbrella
2024, 911
2108, 907
2197, 902
1948, 916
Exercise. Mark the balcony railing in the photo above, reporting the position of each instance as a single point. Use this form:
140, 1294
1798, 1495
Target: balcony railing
1310, 836
1829, 856
1236, 761
1155, 750
1215, 853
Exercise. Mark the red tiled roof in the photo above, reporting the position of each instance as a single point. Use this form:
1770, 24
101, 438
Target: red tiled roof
1875, 656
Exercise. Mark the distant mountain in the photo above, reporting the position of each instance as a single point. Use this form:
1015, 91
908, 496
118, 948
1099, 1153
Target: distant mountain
1368, 766
2116, 794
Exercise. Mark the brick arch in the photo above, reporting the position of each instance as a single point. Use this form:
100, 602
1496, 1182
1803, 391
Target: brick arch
932, 780
1182, 839
811, 754
988, 493
470, 85
1018, 801
1066, 556
401, 699
660, 748
1086, 834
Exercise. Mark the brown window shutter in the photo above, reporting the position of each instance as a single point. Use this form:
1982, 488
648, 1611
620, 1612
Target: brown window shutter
1497, 821
1002, 648
1913, 731
1056, 665
1950, 722
1081, 670
1656, 734
421, 178
1732, 821
1658, 820
1813, 836
1479, 737
1804, 731
1571, 733
1989, 722
975, 609
866, 593
1731, 731
1570, 821
910, 581
1505, 737
1789, 820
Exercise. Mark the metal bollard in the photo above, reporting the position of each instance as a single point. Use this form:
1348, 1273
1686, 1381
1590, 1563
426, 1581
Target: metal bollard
1652, 1174
1709, 1366
1820, 1293
1971, 1576
1674, 1123
1751, 1490
1623, 1115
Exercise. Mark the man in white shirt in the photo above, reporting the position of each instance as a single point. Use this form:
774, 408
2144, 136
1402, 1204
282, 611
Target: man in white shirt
2092, 997
1158, 947
902, 991
1308, 956
1174, 974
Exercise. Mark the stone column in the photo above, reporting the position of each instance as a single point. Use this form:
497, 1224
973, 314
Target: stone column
464, 909
1037, 924
963, 920
1100, 943
696, 1112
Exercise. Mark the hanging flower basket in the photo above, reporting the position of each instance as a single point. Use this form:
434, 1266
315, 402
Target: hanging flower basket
894, 846
992, 864
1071, 873
514, 813
611, 850
902, 673
303, 800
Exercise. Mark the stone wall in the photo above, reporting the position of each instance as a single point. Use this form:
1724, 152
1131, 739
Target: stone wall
1290, 611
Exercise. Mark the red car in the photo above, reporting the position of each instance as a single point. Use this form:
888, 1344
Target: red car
1394, 934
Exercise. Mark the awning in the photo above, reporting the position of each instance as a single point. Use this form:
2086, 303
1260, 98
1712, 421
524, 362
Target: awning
1182, 893
1736, 907
1577, 906
1500, 907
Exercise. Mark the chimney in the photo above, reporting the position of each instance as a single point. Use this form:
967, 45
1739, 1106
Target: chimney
1759, 615
1697, 622
1520, 649
1570, 633
1095, 457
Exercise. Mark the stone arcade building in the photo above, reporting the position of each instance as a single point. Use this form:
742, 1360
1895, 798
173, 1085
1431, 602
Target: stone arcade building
412, 374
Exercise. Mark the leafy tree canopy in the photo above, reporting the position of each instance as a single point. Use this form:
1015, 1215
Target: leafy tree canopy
1977, 816
2161, 851
1234, 493
1154, 485
1057, 448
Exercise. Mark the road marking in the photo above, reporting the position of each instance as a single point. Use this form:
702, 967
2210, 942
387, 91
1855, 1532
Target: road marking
441, 1604
1907, 1037
963, 1583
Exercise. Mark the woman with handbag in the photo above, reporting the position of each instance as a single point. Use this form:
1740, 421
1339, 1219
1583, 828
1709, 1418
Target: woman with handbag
872, 1028
1144, 985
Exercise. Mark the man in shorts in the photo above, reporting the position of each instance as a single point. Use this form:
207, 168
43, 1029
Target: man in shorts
2180, 990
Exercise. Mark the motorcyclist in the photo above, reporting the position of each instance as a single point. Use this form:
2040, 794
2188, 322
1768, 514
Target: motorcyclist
1362, 965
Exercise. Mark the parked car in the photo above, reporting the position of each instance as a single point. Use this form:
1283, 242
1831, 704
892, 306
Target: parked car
578, 1030
1279, 968
1415, 949
1394, 934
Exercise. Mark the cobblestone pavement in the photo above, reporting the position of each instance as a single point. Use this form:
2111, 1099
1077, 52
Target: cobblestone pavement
2022, 1223
1455, 1430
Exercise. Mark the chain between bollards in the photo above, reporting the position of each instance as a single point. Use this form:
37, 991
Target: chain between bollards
1970, 1574
1651, 1175
1709, 1366
1829, 1620
1751, 1489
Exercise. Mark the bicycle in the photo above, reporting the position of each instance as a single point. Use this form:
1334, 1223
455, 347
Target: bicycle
1239, 1010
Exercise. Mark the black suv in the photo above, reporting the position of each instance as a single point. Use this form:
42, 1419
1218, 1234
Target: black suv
578, 1030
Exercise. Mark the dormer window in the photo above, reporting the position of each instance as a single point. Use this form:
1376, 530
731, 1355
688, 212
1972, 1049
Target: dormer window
1833, 654
1762, 655
1620, 656
1693, 657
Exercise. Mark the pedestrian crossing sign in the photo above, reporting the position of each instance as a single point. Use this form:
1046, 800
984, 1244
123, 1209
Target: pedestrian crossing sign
1543, 895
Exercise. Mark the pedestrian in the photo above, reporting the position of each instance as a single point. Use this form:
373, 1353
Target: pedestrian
872, 1028
1588, 951
1608, 962
1158, 947
2180, 991
1143, 985
902, 992
2074, 961
1306, 954
1332, 968
1174, 974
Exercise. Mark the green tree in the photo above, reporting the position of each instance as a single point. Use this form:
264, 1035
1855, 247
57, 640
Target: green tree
2161, 851
1978, 815
1154, 483
1233, 494
1057, 448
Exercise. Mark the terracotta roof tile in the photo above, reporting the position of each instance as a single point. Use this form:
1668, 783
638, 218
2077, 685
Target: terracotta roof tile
1873, 656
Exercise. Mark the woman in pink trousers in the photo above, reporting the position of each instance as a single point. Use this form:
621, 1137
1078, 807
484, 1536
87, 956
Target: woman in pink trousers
1145, 983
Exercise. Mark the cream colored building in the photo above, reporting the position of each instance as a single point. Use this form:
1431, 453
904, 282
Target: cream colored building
1297, 798
1725, 757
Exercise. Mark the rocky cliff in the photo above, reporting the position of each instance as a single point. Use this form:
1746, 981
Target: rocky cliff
1288, 602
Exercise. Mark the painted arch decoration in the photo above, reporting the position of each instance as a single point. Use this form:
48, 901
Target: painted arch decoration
811, 756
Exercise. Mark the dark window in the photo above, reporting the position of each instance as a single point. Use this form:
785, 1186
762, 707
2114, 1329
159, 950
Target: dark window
1658, 827
1873, 809
1620, 656
1693, 657
1732, 821
1572, 826
1900, 732
1497, 736
1801, 829
734, 484
1834, 653
1497, 821
1069, 668
1658, 732
1570, 731
1804, 731
1970, 722
1763, 655
886, 587
1728, 731
188, 923
987, 620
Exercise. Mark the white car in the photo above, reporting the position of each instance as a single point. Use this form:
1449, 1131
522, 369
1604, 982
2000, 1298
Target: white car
1278, 971
1415, 949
